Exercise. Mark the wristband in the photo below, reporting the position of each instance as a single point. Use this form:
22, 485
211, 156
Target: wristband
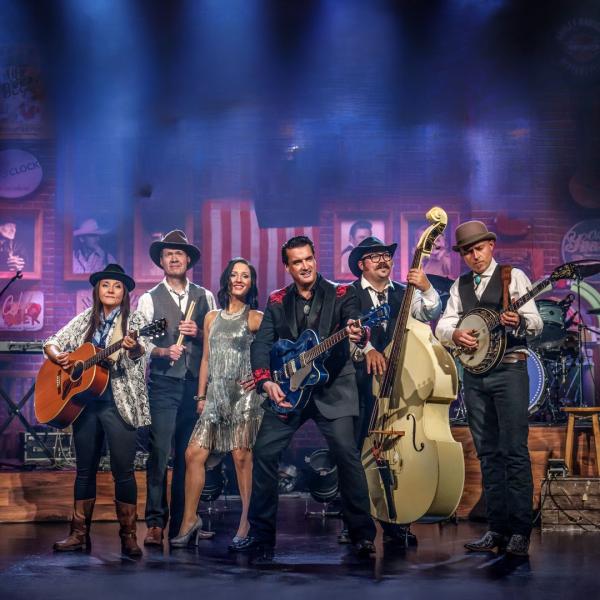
200, 398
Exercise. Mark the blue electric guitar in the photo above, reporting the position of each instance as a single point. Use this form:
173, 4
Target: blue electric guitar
298, 366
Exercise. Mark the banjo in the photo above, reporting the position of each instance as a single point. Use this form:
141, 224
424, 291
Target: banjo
490, 334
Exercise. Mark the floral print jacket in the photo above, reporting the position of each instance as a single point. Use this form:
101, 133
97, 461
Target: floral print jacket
127, 376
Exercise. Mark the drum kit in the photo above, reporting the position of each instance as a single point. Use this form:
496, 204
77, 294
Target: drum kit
556, 359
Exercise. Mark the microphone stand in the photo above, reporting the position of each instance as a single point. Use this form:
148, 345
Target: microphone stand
579, 341
581, 327
17, 275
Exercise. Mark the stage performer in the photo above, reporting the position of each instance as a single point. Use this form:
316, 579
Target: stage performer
230, 410
496, 401
310, 302
372, 261
115, 415
173, 380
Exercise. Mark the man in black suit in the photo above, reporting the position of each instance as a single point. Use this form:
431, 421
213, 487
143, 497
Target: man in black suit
310, 302
372, 261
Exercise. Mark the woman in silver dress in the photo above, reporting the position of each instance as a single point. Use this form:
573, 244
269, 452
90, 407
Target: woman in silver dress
229, 408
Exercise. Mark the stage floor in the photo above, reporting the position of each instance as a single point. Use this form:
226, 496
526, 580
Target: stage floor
308, 564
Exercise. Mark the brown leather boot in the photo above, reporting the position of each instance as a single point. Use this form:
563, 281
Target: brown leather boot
79, 538
127, 515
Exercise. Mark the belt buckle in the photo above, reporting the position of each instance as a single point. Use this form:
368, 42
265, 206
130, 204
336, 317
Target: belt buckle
510, 360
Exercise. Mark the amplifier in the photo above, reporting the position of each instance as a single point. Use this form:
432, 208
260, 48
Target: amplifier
58, 442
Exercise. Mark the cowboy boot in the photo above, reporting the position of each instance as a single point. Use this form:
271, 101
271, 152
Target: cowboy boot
127, 515
79, 537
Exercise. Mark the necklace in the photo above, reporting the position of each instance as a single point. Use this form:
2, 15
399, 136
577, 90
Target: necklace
229, 316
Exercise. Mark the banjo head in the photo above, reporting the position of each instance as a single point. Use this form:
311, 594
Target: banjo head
490, 345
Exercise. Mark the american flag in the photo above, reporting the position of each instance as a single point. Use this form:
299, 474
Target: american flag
230, 229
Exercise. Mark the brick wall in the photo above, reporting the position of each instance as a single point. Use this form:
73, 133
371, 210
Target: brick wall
546, 206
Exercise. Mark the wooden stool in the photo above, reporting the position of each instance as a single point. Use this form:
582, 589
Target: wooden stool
583, 412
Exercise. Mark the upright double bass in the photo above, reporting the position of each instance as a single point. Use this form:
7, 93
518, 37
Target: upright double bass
415, 469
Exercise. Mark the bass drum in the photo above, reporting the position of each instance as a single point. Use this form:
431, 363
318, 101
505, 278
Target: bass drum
537, 381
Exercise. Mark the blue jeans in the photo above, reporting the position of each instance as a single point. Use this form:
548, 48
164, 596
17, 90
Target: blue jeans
497, 408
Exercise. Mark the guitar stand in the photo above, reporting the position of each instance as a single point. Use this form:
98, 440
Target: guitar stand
14, 410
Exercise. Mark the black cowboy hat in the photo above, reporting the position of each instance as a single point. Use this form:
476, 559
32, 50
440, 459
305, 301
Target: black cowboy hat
174, 239
368, 245
113, 271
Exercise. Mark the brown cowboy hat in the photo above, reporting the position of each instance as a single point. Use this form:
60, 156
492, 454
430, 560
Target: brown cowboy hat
367, 246
113, 271
470, 233
174, 239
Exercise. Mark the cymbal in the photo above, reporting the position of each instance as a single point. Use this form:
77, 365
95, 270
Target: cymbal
594, 311
586, 268
441, 284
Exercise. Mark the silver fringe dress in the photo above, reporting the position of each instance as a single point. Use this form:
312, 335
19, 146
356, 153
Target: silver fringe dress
231, 417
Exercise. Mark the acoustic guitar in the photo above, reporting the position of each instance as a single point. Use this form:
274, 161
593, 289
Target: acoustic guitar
61, 395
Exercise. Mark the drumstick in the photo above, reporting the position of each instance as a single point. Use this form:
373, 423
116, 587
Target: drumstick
188, 315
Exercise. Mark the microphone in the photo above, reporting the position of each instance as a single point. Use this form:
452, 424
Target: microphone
567, 301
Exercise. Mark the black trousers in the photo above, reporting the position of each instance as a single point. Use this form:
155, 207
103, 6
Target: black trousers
497, 408
173, 412
366, 402
101, 420
273, 437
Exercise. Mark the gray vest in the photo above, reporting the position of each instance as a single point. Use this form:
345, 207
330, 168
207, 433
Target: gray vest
188, 366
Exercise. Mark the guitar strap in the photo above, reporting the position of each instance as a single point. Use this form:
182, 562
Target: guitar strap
505, 271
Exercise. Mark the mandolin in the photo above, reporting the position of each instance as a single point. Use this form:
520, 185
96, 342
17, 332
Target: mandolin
61, 395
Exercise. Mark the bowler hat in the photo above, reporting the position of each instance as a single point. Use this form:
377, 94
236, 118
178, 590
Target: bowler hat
470, 233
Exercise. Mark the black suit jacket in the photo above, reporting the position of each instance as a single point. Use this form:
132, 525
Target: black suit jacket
381, 337
333, 304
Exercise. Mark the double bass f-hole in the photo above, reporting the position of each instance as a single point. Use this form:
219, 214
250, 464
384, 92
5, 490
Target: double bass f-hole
414, 435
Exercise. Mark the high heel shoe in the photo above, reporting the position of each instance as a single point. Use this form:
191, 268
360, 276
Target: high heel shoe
195, 532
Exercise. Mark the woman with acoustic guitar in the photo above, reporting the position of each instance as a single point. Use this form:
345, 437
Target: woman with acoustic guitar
115, 414
230, 410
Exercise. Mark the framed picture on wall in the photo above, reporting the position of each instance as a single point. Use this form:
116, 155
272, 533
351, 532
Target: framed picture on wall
151, 223
20, 241
443, 262
349, 229
92, 241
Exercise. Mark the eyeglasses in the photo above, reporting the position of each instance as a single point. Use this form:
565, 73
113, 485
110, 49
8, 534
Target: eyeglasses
378, 257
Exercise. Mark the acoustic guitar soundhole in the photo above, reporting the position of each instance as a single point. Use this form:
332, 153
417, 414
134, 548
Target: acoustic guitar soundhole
77, 371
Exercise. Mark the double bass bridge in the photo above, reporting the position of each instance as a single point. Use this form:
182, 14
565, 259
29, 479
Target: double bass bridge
388, 432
